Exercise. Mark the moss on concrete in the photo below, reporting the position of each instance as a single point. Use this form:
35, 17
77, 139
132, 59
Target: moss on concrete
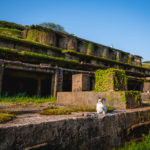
90, 49
85, 56
66, 110
4, 117
5, 52
11, 32
69, 110
71, 52
30, 43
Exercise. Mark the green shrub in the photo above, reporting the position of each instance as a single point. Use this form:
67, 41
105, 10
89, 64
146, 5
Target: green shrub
139, 146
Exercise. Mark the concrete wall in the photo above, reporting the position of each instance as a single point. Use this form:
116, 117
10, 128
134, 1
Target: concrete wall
113, 99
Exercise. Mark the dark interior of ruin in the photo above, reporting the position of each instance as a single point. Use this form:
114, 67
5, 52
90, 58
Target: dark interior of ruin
67, 82
21, 82
135, 85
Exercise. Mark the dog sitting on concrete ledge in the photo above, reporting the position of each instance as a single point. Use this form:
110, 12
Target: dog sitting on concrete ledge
100, 106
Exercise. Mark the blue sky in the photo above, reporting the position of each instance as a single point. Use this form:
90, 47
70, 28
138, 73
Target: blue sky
125, 24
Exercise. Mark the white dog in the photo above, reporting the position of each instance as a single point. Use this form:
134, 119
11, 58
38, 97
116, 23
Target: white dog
100, 106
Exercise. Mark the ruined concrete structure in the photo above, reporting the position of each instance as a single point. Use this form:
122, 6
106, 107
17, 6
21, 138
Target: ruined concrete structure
42, 62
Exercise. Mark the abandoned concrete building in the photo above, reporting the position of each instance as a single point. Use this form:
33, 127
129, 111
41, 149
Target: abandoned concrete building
41, 61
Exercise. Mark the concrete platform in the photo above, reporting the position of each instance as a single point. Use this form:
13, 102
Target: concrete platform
71, 132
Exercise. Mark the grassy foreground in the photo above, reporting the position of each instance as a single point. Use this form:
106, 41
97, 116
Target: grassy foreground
145, 145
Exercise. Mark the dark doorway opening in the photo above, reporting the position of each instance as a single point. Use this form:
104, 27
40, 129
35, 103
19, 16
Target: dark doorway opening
24, 82
15, 85
92, 83
67, 82
46, 88
135, 85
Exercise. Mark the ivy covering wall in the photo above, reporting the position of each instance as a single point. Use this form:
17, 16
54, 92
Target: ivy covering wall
110, 79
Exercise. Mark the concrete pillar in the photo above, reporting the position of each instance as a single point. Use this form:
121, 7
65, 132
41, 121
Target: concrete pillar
57, 82
72, 44
1, 77
130, 59
105, 52
80, 82
39, 87
118, 56
139, 63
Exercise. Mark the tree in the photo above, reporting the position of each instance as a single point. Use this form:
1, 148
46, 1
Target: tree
53, 26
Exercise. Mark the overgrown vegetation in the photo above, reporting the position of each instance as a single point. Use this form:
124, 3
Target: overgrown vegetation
85, 56
10, 32
110, 79
145, 145
34, 34
4, 117
5, 52
23, 98
68, 110
136, 94
5, 24
30, 43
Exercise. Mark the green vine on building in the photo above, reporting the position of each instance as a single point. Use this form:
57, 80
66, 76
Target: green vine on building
110, 79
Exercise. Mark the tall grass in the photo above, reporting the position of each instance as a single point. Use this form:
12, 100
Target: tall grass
139, 146
23, 98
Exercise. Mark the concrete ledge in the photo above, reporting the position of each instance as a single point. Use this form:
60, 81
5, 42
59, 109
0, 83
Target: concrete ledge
114, 99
